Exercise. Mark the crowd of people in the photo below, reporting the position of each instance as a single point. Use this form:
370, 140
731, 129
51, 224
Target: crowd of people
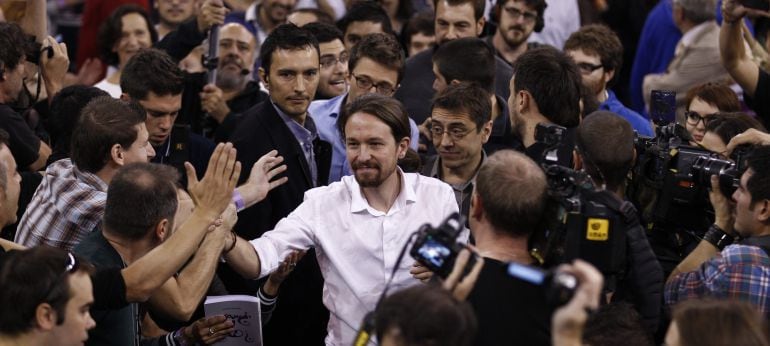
606, 163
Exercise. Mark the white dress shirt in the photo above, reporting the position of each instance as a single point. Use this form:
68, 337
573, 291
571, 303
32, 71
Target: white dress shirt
356, 245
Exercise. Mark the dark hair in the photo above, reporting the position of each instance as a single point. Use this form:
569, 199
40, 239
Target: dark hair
104, 122
426, 315
419, 23
138, 198
478, 6
411, 162
111, 31
600, 40
538, 5
605, 142
553, 80
381, 48
719, 322
404, 11
476, 63
151, 70
287, 37
324, 32
512, 189
15, 46
366, 11
65, 113
758, 185
387, 109
322, 16
4, 140
715, 94
31, 277
616, 324
729, 125
466, 97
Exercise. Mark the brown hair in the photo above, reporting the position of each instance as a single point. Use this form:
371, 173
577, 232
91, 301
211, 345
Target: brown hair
478, 6
465, 97
512, 189
715, 94
600, 40
719, 322
385, 108
728, 125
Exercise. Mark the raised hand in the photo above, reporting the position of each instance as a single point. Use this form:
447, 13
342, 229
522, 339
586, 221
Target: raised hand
261, 179
214, 192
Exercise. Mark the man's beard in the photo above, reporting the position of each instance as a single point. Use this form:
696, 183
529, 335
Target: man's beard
368, 180
229, 79
513, 42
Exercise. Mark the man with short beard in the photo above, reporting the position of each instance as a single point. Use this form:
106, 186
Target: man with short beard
516, 21
172, 13
359, 225
234, 91
262, 17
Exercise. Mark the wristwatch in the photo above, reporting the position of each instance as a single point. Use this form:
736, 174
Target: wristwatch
718, 237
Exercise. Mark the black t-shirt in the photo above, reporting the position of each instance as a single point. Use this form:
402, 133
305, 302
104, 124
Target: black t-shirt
509, 311
24, 144
759, 103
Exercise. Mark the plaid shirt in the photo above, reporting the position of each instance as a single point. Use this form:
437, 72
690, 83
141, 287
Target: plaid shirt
740, 272
66, 206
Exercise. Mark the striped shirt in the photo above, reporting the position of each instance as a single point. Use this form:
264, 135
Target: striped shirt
739, 272
67, 205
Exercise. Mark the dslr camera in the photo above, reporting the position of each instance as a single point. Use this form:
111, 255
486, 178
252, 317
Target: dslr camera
558, 287
437, 248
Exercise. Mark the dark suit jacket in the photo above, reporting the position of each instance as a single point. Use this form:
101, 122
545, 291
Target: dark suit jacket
300, 317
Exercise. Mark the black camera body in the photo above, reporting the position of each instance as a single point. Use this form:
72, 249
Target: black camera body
552, 136
558, 287
591, 224
437, 248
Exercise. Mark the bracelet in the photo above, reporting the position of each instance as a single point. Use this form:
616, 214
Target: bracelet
179, 337
235, 241
718, 237
238, 200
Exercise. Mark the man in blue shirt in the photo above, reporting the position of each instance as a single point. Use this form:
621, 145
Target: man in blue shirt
376, 65
598, 53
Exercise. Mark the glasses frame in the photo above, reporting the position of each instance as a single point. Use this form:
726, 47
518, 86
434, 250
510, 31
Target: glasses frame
70, 267
366, 83
517, 14
455, 136
588, 68
705, 119
343, 59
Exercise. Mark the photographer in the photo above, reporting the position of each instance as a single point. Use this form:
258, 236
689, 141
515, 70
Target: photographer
739, 271
507, 203
605, 150
546, 88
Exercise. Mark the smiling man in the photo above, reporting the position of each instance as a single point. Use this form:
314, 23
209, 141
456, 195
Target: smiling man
359, 225
334, 60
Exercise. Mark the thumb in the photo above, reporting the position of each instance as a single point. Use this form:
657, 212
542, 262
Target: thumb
192, 177
715, 183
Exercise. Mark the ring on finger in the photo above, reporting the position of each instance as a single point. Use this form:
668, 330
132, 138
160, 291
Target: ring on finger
211, 331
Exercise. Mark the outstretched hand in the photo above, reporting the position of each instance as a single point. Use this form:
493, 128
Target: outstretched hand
213, 193
261, 179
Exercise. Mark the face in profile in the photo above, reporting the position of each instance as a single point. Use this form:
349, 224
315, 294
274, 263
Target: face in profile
77, 319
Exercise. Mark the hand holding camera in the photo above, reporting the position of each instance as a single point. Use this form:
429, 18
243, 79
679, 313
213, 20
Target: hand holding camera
568, 321
458, 282
734, 10
54, 63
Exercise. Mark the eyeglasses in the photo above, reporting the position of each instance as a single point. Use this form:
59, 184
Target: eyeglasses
329, 61
383, 88
70, 267
693, 118
587, 68
455, 133
517, 14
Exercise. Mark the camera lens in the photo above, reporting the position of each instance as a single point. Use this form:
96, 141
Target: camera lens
704, 167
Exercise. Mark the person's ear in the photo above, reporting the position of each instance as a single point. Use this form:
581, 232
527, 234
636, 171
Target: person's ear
477, 207
116, 153
608, 74
45, 317
162, 229
764, 210
125, 97
403, 146
454, 82
486, 131
265, 79
480, 26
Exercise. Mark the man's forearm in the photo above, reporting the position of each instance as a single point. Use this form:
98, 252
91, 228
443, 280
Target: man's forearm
702, 253
180, 296
243, 258
34, 21
145, 275
731, 46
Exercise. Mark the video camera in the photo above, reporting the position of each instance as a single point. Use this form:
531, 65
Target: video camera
590, 223
671, 178
437, 248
